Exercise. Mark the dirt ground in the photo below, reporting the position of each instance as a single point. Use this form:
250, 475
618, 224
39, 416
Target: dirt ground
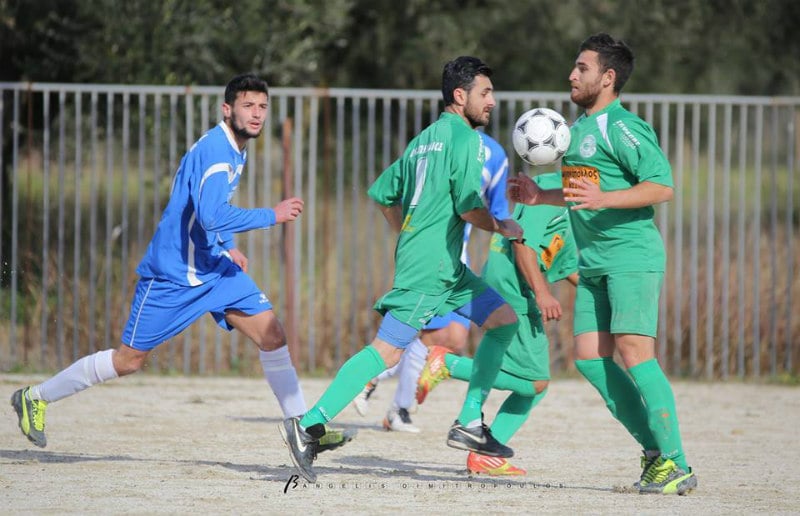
149, 444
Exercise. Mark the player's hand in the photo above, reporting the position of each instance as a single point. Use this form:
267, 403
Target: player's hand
523, 189
288, 210
549, 306
585, 193
509, 228
238, 258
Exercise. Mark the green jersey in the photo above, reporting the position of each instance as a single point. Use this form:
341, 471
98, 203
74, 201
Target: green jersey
547, 231
436, 180
616, 149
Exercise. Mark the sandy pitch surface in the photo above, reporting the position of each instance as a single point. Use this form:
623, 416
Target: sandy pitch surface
148, 444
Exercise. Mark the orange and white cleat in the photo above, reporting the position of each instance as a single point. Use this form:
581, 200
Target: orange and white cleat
493, 466
434, 371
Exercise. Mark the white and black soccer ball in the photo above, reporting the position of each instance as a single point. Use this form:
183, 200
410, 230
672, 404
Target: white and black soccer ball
541, 136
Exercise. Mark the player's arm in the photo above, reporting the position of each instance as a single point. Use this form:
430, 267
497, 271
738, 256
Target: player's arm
523, 189
481, 218
393, 215
215, 213
528, 265
588, 195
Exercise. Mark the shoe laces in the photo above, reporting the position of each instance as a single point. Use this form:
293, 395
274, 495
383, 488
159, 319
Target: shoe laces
37, 412
659, 472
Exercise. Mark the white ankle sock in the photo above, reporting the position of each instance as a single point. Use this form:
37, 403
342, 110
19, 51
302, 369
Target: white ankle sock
282, 378
89, 370
411, 365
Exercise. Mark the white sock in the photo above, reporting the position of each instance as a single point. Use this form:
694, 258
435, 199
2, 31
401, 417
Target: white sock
82, 374
282, 378
387, 373
411, 365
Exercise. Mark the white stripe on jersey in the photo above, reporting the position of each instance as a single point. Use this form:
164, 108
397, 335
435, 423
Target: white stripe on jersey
191, 272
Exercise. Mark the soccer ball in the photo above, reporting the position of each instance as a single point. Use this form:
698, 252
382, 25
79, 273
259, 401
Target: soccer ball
541, 136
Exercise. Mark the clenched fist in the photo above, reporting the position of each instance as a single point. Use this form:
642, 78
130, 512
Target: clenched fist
288, 210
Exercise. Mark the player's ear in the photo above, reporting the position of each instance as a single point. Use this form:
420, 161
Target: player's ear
460, 96
226, 110
609, 78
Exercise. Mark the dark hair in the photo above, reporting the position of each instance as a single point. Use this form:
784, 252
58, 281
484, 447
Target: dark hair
244, 82
612, 54
461, 73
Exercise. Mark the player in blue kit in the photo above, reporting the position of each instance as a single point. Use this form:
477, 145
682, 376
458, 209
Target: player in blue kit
192, 267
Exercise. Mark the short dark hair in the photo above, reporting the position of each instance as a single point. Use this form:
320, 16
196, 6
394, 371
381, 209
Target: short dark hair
244, 82
612, 54
461, 73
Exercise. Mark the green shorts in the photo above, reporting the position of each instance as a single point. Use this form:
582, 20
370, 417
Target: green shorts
528, 355
619, 303
416, 309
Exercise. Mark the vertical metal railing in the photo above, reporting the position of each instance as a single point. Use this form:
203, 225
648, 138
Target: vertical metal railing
727, 304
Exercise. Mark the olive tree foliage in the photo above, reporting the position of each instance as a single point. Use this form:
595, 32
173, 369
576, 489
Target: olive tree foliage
686, 46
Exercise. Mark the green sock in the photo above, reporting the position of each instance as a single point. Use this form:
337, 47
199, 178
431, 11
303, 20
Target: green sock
351, 378
485, 365
660, 402
461, 368
622, 397
512, 415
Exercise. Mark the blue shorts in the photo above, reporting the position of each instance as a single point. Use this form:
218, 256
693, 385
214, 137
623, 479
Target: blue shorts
443, 321
161, 309
399, 333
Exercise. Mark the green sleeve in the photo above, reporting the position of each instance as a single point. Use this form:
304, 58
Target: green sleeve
637, 149
388, 188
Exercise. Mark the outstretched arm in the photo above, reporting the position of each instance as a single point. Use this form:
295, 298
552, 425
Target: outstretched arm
588, 195
524, 190
481, 218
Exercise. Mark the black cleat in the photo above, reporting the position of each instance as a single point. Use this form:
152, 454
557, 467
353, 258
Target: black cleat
478, 440
302, 447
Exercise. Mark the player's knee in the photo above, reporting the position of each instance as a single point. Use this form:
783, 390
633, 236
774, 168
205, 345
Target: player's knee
271, 339
502, 316
126, 363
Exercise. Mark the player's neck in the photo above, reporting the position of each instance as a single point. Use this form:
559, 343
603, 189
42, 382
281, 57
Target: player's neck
602, 102
455, 109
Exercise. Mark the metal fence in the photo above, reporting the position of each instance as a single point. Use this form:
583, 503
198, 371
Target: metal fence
87, 168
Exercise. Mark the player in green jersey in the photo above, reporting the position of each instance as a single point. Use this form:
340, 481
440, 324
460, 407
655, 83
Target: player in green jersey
520, 271
614, 172
428, 195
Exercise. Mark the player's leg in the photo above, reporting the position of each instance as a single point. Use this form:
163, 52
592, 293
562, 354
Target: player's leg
158, 312
633, 324
398, 417
385, 350
266, 331
594, 350
486, 309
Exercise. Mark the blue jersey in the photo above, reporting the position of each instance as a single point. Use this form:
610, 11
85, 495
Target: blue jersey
196, 229
493, 184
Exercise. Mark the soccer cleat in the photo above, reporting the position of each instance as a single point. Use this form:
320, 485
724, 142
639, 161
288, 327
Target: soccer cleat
335, 439
479, 440
302, 447
361, 403
648, 460
478, 464
667, 478
399, 421
31, 416
434, 371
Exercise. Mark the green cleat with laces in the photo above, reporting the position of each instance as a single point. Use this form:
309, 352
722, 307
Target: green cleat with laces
667, 478
31, 416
